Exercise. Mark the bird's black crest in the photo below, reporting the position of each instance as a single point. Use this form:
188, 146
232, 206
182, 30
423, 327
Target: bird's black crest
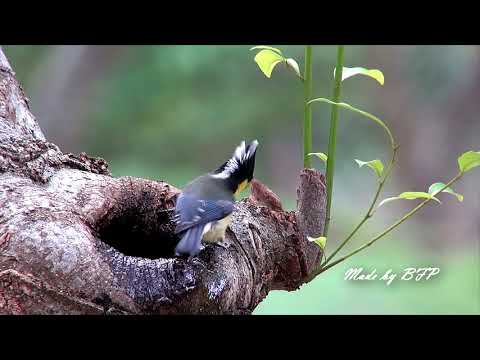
240, 166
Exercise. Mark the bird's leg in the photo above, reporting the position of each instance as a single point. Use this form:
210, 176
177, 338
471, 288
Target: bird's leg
197, 261
221, 242
194, 259
221, 239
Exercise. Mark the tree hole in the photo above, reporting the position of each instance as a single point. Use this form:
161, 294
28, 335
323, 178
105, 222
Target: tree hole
140, 229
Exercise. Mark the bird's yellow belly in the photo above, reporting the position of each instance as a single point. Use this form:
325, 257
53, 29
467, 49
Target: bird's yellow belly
216, 232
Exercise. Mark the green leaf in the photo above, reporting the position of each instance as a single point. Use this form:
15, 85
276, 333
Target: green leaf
364, 113
376, 165
434, 189
320, 241
267, 48
469, 160
266, 60
292, 64
320, 155
373, 73
410, 195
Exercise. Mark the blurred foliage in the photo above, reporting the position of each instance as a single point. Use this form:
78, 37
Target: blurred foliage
173, 112
453, 291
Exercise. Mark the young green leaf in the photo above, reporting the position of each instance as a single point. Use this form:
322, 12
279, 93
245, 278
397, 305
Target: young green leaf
373, 73
266, 60
320, 155
410, 195
469, 160
434, 189
376, 165
361, 112
320, 241
292, 64
267, 48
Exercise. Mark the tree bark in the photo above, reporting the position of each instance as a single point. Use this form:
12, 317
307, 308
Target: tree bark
75, 240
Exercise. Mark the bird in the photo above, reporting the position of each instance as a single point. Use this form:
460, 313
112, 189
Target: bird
204, 208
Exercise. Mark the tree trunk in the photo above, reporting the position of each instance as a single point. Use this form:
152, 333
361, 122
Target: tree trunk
75, 240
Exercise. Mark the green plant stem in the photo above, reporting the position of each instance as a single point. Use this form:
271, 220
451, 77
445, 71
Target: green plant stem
324, 268
392, 144
332, 141
389, 229
369, 212
307, 122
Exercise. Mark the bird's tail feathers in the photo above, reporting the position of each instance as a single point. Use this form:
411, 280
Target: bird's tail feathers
191, 240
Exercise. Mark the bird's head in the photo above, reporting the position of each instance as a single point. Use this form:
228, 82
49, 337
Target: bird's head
238, 170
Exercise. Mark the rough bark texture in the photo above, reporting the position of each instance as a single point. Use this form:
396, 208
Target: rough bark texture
74, 240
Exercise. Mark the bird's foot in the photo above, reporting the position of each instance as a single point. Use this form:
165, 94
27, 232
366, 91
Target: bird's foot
197, 261
222, 244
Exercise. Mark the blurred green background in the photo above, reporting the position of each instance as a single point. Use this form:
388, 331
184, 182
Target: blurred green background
172, 112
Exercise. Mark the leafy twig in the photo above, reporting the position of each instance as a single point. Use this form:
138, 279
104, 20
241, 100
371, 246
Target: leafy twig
369, 213
389, 229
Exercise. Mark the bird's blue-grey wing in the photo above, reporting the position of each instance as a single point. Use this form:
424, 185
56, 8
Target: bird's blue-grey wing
191, 212
192, 217
190, 241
